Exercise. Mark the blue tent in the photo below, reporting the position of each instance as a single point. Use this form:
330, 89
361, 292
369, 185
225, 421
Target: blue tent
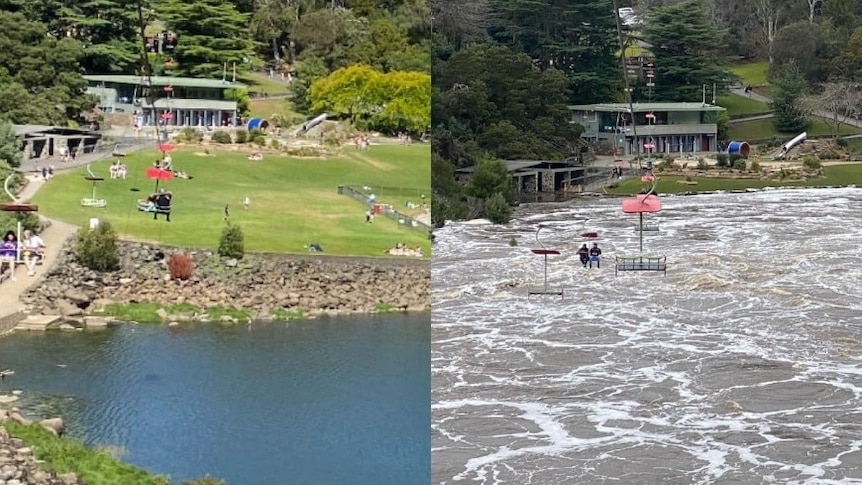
258, 124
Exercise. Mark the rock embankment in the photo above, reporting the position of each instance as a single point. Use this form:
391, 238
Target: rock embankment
19, 466
260, 284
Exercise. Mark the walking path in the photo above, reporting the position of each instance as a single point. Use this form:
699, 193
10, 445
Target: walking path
54, 236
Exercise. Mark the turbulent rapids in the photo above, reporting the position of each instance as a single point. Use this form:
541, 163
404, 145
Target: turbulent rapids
741, 365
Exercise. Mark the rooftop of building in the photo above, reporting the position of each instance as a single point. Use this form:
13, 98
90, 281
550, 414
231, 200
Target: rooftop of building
186, 82
646, 107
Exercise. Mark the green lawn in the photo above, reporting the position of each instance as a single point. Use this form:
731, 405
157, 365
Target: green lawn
261, 83
294, 201
845, 174
268, 108
741, 105
753, 73
763, 130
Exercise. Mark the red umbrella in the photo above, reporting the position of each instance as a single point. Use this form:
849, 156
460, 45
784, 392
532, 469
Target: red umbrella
157, 174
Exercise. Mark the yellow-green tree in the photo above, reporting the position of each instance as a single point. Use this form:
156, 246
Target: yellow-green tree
408, 102
390, 102
349, 91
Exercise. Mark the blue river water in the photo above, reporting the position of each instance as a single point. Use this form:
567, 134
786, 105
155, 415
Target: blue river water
331, 401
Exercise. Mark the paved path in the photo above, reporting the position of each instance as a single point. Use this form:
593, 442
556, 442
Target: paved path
54, 236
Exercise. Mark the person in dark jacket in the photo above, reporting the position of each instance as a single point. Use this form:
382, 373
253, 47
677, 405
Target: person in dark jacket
584, 253
595, 254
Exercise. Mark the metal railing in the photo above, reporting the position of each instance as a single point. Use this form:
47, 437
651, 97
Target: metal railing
383, 209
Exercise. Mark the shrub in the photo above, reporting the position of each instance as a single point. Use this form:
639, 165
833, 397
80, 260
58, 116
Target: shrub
180, 266
231, 244
842, 142
256, 136
755, 166
97, 248
241, 136
721, 160
497, 210
190, 135
811, 162
222, 137
702, 165
512, 241
739, 164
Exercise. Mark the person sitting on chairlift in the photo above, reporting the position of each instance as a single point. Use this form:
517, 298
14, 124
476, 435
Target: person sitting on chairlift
584, 253
595, 252
163, 205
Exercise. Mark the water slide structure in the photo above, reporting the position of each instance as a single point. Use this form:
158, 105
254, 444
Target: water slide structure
781, 154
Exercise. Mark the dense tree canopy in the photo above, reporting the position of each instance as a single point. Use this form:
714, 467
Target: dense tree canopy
40, 76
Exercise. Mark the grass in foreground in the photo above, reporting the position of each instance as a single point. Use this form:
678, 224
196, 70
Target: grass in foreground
845, 174
764, 129
294, 201
737, 105
753, 73
64, 455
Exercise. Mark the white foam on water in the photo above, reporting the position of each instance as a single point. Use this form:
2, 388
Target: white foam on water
752, 334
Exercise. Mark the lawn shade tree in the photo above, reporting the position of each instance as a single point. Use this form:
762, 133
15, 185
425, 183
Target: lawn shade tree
41, 77
688, 52
577, 38
211, 34
843, 99
307, 72
790, 88
271, 24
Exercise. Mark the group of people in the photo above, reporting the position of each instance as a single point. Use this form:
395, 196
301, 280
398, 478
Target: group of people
590, 255
401, 249
68, 154
362, 142
404, 138
118, 170
30, 250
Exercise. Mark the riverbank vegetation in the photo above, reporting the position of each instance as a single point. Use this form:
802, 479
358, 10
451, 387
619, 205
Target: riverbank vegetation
93, 466
293, 202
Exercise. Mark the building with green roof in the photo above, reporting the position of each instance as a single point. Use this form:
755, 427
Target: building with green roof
166, 100
660, 127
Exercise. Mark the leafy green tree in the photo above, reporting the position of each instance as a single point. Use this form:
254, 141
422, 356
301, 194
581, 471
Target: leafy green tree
352, 91
307, 71
490, 177
40, 76
10, 146
496, 209
687, 49
406, 102
272, 22
790, 88
328, 34
804, 44
240, 95
210, 34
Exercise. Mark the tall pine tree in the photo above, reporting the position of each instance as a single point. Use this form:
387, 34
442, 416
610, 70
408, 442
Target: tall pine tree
211, 33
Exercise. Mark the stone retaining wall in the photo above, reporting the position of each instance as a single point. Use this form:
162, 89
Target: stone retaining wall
260, 284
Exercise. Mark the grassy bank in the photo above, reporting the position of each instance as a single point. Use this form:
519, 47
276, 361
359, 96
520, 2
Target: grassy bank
753, 73
835, 175
764, 130
294, 201
737, 105
94, 467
